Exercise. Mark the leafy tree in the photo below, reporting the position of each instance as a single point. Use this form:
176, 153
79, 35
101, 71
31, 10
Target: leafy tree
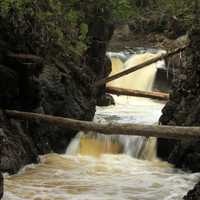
60, 27
54, 26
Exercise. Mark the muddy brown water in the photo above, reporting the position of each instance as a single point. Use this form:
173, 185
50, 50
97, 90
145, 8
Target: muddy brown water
99, 167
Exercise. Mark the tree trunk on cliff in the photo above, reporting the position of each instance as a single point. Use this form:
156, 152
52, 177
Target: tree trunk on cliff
137, 67
172, 132
137, 93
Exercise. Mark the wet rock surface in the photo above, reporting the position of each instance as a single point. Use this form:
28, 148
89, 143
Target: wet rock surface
193, 194
105, 100
183, 109
53, 92
34, 79
57, 86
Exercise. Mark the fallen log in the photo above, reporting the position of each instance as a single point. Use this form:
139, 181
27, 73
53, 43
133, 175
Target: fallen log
137, 93
140, 66
170, 132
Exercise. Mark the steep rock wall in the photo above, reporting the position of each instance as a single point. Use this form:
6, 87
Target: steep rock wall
56, 85
183, 107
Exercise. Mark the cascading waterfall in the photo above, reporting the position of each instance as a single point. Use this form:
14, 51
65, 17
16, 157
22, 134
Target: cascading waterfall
142, 79
113, 171
139, 147
97, 144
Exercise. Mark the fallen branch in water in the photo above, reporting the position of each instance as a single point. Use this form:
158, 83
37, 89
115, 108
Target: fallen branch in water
140, 66
170, 132
137, 93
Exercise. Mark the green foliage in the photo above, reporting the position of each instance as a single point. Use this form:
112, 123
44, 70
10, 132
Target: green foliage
121, 10
182, 9
7, 5
60, 27
56, 27
48, 27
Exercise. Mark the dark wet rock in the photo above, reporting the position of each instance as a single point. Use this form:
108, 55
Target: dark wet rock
30, 93
63, 96
183, 109
61, 88
9, 87
193, 194
53, 92
164, 148
186, 155
163, 81
105, 100
17, 148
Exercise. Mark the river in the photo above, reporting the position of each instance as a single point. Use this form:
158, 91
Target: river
99, 167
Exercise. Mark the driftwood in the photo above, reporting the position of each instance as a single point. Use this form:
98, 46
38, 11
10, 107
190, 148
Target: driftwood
140, 66
137, 93
172, 132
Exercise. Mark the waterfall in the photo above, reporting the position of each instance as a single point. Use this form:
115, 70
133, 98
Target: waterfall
99, 167
95, 144
142, 79
136, 146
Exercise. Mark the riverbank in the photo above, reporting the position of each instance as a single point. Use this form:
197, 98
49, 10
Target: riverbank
127, 164
49, 63
182, 109
50, 72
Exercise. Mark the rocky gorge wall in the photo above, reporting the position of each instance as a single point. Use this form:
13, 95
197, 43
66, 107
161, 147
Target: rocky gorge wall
183, 106
183, 109
48, 84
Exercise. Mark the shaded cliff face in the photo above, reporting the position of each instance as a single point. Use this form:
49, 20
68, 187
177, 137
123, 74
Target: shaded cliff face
183, 109
54, 85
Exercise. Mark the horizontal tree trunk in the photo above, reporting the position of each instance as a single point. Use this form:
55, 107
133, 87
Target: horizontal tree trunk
137, 93
137, 67
172, 132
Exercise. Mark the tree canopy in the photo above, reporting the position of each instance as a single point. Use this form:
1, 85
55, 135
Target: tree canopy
63, 24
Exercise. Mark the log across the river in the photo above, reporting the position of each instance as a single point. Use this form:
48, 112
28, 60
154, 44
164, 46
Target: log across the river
139, 66
170, 132
137, 93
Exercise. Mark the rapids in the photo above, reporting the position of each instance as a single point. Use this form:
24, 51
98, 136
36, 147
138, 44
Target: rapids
99, 167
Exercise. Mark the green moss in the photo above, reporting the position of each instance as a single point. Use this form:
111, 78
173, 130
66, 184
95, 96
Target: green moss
53, 27
60, 27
